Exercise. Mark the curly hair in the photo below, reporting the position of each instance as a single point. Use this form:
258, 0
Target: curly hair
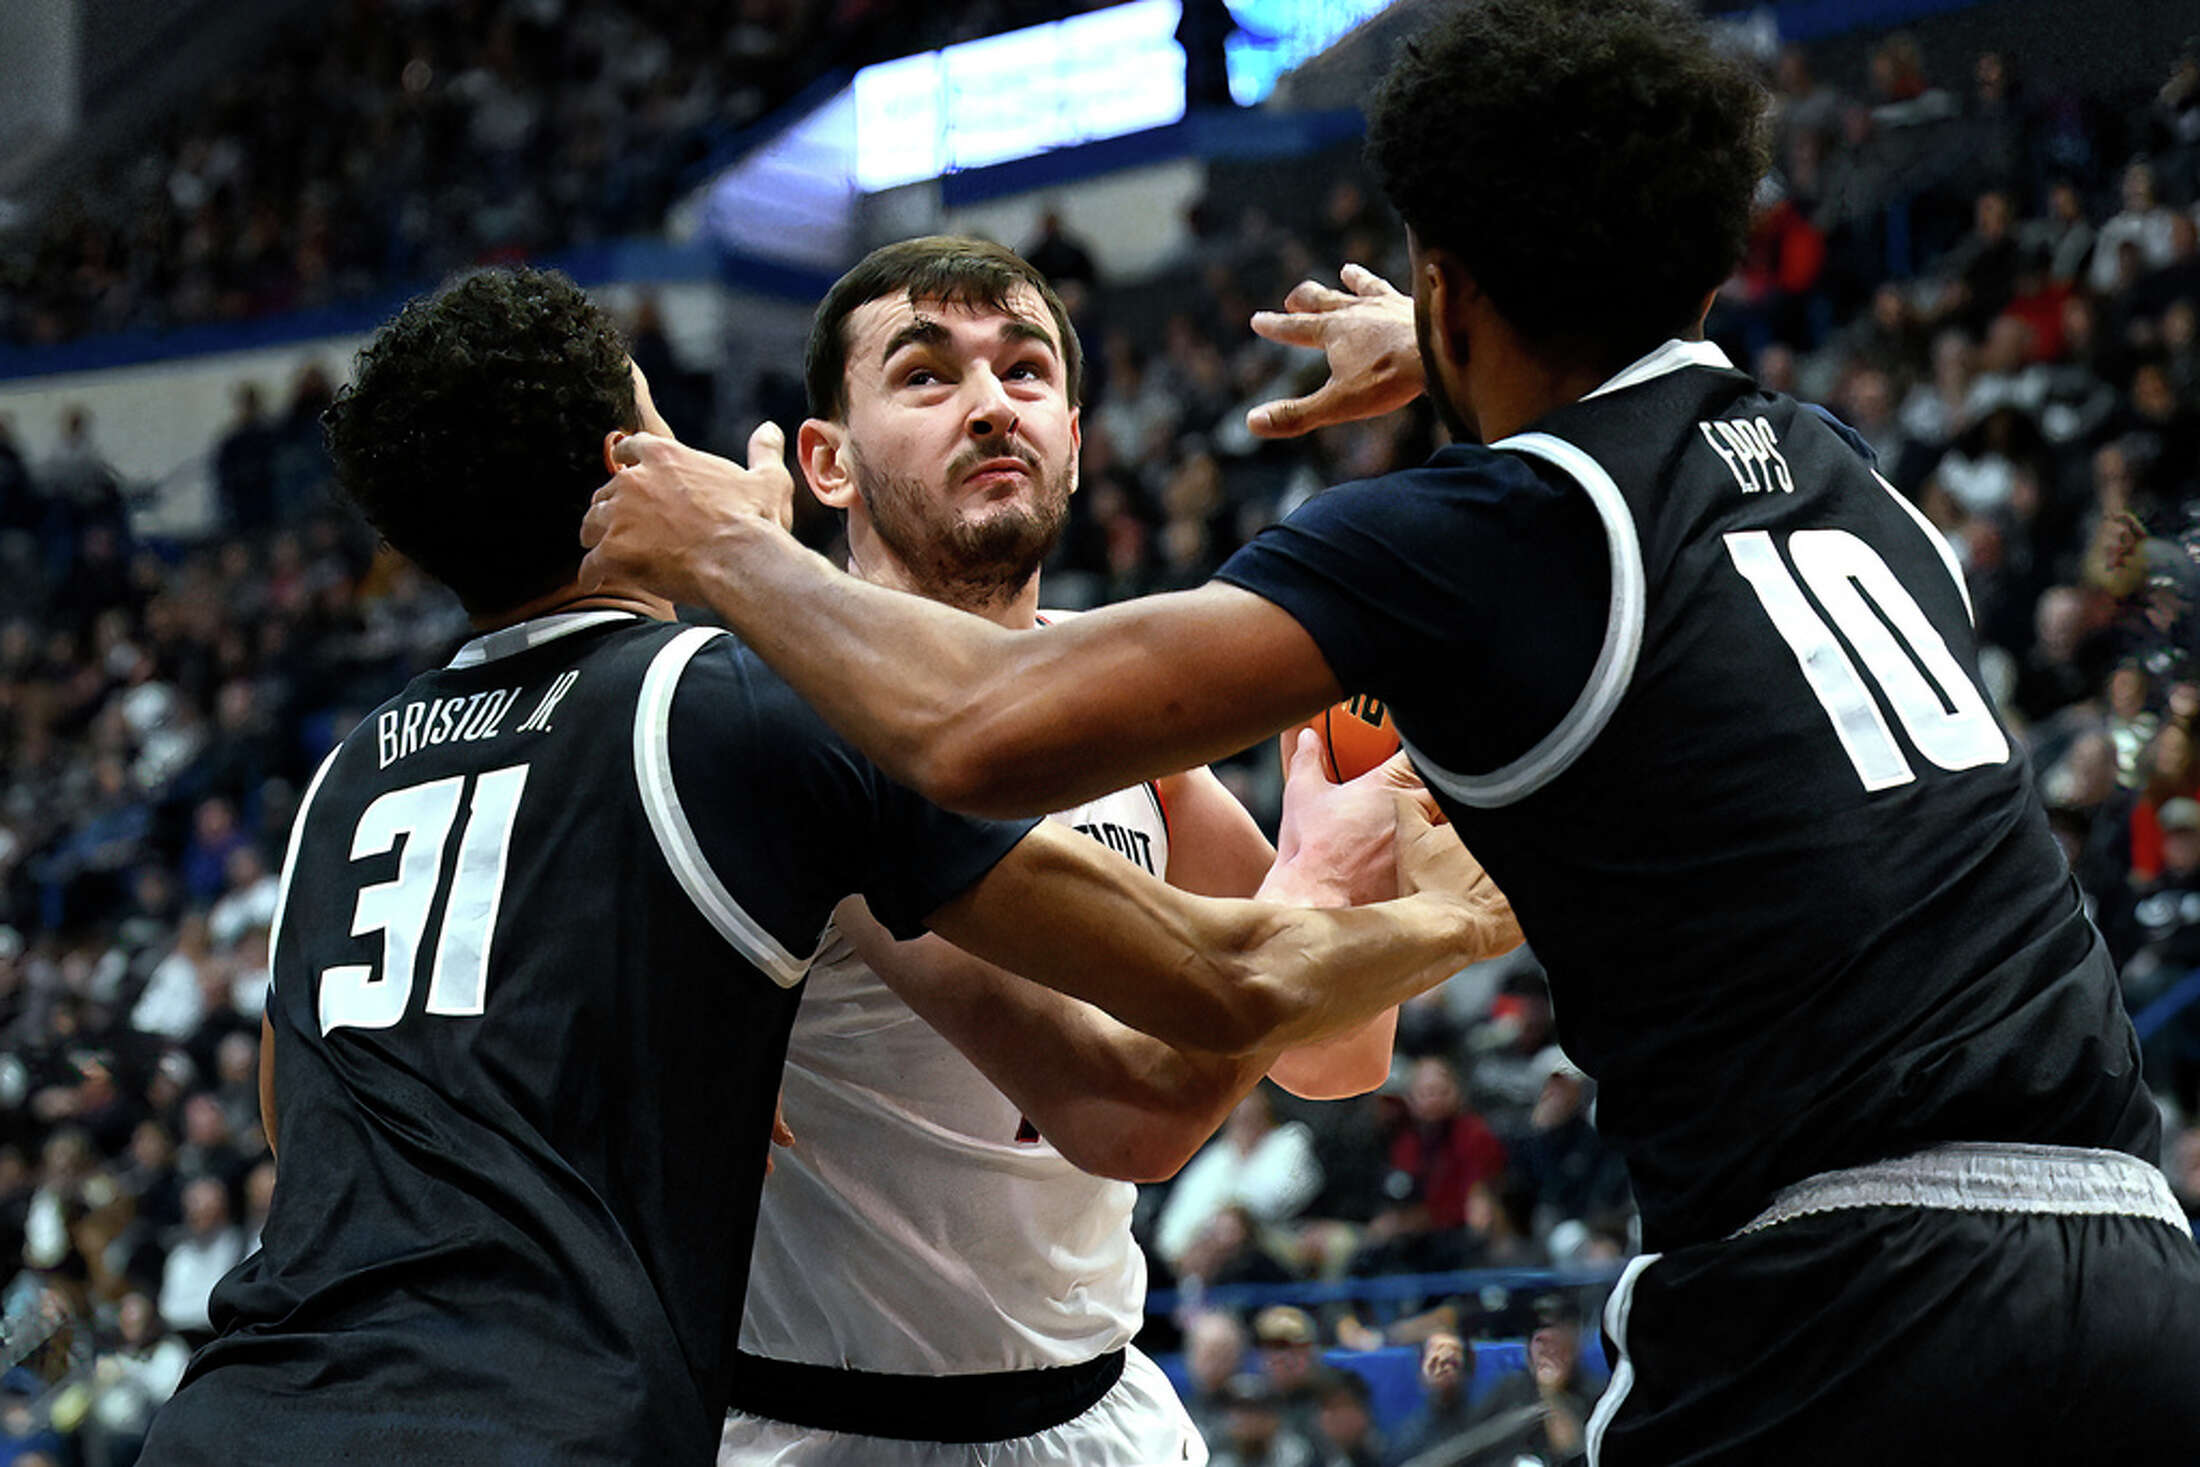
951, 269
1590, 162
471, 436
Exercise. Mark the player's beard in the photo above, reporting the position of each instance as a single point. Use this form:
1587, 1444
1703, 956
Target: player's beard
1454, 417
975, 562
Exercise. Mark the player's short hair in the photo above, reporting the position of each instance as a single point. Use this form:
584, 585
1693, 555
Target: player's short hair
952, 269
471, 435
1590, 162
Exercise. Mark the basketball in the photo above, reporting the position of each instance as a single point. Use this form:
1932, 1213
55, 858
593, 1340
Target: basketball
1356, 736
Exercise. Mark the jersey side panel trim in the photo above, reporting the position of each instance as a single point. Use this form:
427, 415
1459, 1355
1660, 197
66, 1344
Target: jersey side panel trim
1615, 664
1616, 1312
1938, 541
675, 837
290, 860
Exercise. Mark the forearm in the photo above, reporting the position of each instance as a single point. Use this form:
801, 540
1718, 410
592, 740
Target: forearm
998, 723
1114, 1101
1228, 976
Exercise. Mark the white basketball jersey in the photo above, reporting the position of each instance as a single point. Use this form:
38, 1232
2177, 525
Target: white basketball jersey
920, 1225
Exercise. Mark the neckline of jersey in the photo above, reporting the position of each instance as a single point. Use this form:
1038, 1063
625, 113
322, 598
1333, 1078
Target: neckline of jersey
1676, 355
521, 636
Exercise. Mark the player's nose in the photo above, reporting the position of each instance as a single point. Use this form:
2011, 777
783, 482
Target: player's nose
992, 412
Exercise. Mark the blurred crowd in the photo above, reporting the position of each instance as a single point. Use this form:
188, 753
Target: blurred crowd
383, 143
1997, 289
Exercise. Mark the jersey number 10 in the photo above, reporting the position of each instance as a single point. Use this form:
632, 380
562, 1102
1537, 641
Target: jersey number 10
423, 814
1946, 718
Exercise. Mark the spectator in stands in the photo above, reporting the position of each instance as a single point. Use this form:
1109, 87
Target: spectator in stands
1440, 1156
1059, 256
1254, 1433
209, 1246
210, 1147
2144, 221
1267, 1168
244, 464
1290, 1357
1981, 273
1548, 1404
1347, 1436
1229, 1250
25, 1439
1214, 1354
1569, 1171
1447, 1371
2063, 233
136, 1371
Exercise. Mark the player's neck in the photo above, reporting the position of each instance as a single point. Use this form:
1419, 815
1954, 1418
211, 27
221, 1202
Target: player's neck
1511, 388
1017, 610
570, 597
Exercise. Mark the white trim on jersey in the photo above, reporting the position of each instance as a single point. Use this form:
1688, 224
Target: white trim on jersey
1615, 664
1939, 543
1616, 1310
1671, 357
290, 860
519, 637
675, 837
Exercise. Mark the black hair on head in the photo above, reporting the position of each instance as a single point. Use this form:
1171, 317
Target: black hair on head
1591, 163
951, 269
471, 435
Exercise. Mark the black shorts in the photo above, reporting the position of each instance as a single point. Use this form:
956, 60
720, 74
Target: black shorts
1944, 1334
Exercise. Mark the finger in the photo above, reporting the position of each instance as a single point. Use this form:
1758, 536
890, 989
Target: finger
781, 1134
1312, 295
627, 452
1290, 330
1364, 282
1309, 760
1291, 416
767, 446
590, 575
595, 524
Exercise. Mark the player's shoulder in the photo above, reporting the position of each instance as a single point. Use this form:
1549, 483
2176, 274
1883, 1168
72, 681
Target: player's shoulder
1459, 488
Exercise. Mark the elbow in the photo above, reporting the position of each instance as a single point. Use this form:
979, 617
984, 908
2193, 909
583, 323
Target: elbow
1154, 1152
961, 766
1332, 1080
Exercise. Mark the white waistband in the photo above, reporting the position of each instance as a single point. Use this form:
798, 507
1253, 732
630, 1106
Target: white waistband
2069, 1181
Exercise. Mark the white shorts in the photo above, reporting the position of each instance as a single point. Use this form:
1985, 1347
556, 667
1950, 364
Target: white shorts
1140, 1423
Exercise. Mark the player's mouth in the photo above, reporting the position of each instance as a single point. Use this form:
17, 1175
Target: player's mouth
998, 473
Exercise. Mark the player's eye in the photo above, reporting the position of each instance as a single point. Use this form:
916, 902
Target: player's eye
1028, 371
919, 377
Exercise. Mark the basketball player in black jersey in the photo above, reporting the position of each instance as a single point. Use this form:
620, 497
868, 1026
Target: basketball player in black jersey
542, 929
1702, 691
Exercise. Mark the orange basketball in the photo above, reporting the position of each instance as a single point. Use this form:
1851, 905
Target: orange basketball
1356, 736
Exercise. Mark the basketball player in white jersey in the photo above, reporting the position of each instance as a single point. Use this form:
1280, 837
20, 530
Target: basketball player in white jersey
944, 1269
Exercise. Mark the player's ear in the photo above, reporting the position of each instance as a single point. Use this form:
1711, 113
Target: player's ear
821, 446
1452, 296
1076, 444
612, 440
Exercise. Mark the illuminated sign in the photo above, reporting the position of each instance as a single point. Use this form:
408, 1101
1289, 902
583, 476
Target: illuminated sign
1094, 76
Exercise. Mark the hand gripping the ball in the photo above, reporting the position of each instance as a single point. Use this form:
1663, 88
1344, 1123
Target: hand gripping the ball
655, 524
1366, 332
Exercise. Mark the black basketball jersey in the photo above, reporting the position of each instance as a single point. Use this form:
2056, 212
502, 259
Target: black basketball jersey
1799, 906
544, 923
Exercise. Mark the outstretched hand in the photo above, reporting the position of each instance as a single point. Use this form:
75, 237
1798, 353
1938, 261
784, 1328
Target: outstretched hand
655, 522
1366, 331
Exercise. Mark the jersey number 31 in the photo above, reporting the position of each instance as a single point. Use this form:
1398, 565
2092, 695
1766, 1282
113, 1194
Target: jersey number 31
423, 814
1946, 718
